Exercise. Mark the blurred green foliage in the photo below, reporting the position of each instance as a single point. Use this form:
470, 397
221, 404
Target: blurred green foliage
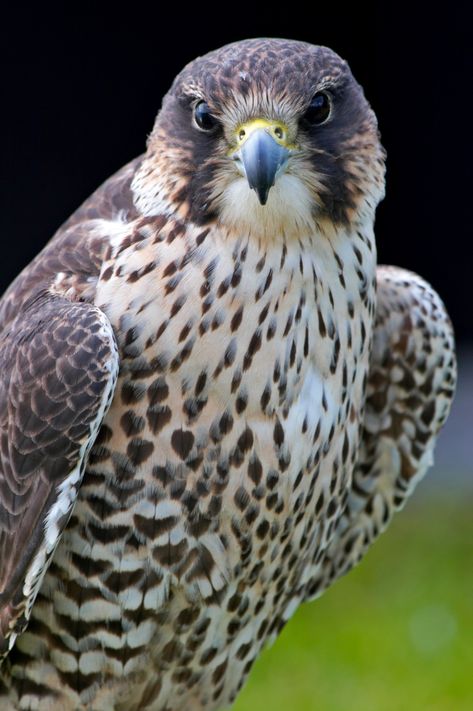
395, 634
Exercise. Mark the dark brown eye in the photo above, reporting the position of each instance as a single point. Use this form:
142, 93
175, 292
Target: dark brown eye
318, 110
203, 118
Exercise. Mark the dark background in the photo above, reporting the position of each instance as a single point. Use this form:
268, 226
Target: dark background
80, 90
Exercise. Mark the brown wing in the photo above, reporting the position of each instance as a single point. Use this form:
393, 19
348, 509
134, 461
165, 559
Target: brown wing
58, 368
410, 389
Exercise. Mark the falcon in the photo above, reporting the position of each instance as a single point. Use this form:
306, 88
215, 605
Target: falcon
212, 399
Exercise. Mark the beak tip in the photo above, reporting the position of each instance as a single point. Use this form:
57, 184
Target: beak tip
262, 196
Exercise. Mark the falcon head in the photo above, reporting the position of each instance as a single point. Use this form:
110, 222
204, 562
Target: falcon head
265, 135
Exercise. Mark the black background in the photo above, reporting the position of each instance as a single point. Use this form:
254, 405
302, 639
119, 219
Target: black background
80, 90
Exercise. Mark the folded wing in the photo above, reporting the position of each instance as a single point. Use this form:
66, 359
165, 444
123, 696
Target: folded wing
58, 369
410, 389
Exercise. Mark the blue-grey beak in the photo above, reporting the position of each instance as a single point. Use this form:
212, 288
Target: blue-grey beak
262, 157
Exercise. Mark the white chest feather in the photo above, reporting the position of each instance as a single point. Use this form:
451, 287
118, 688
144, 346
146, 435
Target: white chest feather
253, 332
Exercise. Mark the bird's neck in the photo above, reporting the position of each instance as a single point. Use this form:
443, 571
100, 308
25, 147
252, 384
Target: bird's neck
289, 214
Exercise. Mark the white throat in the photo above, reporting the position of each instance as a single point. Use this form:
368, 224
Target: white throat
289, 210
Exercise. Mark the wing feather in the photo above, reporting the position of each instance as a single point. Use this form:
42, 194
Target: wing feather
58, 368
410, 389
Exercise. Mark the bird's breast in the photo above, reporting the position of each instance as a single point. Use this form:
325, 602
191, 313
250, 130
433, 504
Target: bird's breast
240, 390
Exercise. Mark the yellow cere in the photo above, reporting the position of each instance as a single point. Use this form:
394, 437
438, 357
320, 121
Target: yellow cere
277, 129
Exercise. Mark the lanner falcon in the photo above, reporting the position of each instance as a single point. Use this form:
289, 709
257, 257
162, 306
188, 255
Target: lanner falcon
211, 399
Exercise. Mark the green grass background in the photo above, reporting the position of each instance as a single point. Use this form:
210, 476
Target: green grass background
395, 634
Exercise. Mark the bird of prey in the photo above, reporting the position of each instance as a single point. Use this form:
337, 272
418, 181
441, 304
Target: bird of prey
212, 400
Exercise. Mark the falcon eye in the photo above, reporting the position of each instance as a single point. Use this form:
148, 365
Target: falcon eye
319, 109
203, 118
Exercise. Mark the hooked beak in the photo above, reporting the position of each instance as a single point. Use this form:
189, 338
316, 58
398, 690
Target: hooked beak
262, 154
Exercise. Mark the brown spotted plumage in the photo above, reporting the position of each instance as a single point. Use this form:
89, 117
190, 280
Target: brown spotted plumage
212, 401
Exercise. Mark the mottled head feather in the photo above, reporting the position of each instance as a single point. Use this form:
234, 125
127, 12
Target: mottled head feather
336, 172
277, 68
